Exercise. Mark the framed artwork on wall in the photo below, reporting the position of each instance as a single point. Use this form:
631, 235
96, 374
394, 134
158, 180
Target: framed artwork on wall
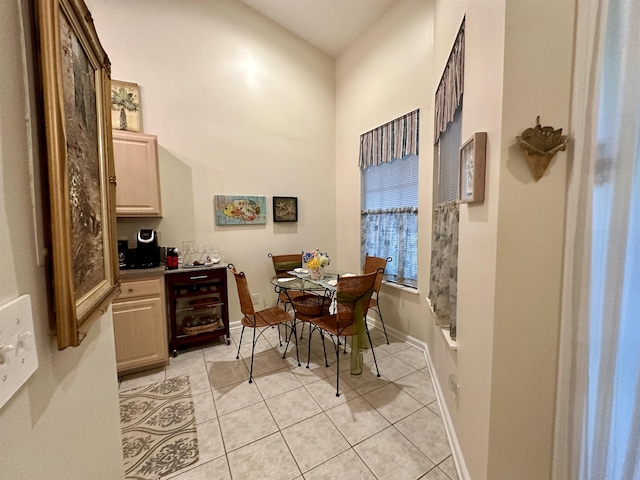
125, 106
285, 209
472, 168
79, 160
240, 210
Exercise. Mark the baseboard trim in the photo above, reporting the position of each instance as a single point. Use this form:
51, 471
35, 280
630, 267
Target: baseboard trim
456, 452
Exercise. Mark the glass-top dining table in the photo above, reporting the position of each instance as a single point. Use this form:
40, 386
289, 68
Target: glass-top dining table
299, 280
302, 282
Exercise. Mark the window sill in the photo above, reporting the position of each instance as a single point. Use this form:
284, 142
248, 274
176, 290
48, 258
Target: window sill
415, 291
451, 343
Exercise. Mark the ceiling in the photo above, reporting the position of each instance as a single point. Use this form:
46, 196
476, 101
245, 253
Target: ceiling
330, 25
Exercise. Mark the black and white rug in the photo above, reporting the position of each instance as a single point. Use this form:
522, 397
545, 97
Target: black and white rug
158, 429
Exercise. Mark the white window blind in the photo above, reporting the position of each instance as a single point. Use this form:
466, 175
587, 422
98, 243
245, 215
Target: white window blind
391, 185
448, 155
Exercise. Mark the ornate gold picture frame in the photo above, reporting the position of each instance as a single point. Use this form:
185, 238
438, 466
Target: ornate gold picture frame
81, 183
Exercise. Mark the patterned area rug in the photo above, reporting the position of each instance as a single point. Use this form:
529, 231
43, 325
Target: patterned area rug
158, 429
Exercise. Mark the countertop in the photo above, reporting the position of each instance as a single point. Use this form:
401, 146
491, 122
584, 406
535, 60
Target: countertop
134, 273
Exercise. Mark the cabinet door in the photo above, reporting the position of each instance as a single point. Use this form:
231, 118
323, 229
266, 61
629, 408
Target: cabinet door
140, 333
135, 157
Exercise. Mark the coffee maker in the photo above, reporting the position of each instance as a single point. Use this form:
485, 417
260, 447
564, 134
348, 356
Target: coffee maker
124, 256
147, 249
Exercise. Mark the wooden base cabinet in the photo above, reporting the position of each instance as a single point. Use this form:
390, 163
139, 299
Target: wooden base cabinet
140, 326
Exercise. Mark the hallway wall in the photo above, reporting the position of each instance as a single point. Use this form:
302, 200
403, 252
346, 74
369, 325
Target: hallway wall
64, 423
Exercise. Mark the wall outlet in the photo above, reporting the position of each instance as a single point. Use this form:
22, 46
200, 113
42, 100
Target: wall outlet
255, 298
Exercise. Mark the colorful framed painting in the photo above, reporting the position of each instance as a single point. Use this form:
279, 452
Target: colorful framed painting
240, 210
83, 264
125, 106
285, 209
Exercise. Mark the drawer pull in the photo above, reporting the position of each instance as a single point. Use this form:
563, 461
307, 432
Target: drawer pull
131, 290
198, 277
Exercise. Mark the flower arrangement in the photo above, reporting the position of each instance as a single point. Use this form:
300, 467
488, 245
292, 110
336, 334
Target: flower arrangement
316, 259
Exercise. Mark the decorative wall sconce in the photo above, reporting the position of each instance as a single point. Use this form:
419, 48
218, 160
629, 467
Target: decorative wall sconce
540, 144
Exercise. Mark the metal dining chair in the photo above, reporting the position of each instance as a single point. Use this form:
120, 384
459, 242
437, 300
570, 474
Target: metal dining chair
352, 300
377, 264
281, 265
259, 320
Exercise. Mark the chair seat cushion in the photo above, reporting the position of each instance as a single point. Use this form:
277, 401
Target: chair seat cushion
267, 317
329, 323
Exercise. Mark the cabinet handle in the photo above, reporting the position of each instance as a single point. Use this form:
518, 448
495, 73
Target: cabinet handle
130, 290
198, 277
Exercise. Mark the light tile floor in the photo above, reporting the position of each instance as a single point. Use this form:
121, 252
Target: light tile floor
288, 424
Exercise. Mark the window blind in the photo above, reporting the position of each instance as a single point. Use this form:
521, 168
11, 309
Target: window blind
391, 185
448, 156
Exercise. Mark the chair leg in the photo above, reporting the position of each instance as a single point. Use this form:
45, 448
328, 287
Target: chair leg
253, 347
302, 331
240, 343
337, 347
309, 346
288, 338
295, 337
366, 327
384, 329
326, 362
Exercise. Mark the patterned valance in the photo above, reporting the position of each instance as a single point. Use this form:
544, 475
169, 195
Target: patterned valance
391, 140
451, 86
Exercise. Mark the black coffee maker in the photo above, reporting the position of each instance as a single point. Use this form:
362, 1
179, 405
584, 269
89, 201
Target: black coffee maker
147, 249
124, 257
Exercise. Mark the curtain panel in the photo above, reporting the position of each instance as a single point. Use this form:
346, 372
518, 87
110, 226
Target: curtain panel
393, 232
391, 140
598, 404
443, 291
451, 87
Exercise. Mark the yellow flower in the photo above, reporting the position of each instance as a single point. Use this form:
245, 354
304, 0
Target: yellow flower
313, 263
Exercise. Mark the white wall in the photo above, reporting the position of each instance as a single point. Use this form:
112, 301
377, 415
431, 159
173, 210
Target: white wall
383, 75
517, 66
240, 107
537, 81
64, 422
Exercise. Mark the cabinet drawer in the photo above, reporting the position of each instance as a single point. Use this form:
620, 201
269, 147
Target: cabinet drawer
141, 288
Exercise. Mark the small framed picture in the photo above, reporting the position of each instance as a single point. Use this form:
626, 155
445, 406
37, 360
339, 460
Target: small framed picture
472, 167
125, 106
285, 209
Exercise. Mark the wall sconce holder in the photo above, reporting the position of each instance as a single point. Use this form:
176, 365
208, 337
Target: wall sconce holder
540, 144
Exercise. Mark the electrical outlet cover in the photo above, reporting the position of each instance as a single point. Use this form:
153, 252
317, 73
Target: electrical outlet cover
18, 354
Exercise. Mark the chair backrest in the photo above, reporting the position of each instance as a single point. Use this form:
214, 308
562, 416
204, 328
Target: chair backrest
246, 305
285, 263
351, 291
376, 264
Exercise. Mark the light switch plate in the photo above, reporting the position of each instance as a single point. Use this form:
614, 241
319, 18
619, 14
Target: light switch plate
18, 354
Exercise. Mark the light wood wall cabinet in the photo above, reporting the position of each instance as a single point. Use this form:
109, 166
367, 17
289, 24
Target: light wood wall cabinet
140, 326
137, 174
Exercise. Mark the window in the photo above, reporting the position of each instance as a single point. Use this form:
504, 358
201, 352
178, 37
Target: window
443, 284
389, 217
